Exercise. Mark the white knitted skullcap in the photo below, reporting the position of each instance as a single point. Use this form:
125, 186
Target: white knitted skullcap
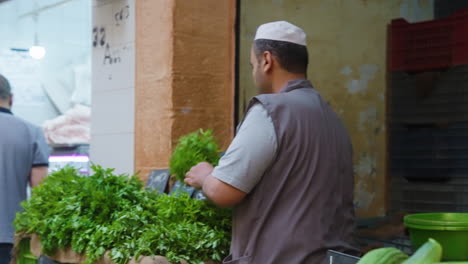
282, 31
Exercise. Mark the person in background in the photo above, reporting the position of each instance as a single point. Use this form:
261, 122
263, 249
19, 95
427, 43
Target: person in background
288, 173
24, 158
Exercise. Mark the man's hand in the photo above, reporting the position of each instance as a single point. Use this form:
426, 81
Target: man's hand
197, 174
218, 192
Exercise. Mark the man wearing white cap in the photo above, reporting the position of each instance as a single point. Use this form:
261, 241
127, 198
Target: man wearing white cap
288, 172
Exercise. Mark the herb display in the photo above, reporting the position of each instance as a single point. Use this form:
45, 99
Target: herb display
113, 212
192, 149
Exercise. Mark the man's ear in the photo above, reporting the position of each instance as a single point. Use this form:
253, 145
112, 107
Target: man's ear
11, 100
267, 61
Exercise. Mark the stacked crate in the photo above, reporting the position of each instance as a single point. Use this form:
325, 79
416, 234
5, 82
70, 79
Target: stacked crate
428, 114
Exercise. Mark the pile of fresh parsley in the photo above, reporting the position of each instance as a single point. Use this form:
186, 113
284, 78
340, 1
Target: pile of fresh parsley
108, 212
199, 146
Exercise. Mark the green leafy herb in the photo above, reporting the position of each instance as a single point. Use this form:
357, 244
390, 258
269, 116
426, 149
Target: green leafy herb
199, 146
113, 212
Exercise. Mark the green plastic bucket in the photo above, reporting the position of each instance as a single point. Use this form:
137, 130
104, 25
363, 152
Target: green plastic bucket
449, 229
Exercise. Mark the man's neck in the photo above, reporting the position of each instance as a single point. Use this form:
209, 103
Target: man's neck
282, 81
5, 108
4, 105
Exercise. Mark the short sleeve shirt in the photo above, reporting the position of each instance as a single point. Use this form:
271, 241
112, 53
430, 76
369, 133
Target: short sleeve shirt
251, 152
22, 146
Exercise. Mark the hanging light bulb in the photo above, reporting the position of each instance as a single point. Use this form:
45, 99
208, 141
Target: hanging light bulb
36, 51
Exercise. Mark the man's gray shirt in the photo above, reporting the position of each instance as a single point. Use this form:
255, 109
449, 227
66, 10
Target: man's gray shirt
22, 146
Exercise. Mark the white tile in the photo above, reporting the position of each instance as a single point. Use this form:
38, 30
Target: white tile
102, 14
113, 45
123, 22
113, 151
115, 23
101, 2
113, 112
113, 69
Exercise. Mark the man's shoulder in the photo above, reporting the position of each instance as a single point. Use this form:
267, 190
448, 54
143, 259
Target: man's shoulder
308, 95
19, 123
265, 99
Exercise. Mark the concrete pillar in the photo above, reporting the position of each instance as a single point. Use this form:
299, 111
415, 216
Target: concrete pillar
184, 77
113, 84
181, 75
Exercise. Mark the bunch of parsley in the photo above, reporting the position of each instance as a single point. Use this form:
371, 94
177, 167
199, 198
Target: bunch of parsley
107, 212
199, 146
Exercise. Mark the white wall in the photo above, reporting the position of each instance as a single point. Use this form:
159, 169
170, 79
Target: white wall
113, 85
64, 29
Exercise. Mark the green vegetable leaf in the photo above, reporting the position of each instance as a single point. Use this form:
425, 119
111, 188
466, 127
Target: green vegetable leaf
196, 147
108, 212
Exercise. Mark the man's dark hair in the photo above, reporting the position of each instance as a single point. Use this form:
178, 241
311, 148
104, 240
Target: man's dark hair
5, 89
292, 57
